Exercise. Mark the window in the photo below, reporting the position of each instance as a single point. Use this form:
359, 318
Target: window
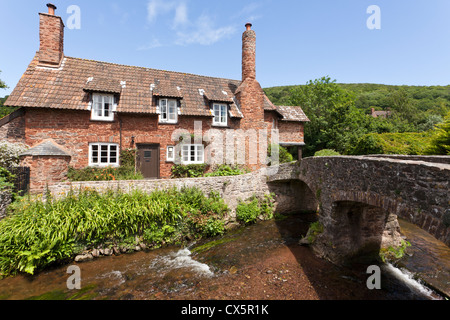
171, 153
168, 109
103, 154
192, 154
220, 114
103, 107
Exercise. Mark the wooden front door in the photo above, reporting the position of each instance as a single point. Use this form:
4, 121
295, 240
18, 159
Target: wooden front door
148, 161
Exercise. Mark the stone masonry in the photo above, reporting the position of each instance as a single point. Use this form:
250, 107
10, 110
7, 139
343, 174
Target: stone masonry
357, 197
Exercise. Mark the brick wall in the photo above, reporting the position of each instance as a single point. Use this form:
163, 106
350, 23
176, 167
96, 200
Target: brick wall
51, 36
73, 130
291, 131
45, 171
13, 130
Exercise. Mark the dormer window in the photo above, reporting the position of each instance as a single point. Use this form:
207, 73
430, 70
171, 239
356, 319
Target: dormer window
103, 107
168, 111
220, 112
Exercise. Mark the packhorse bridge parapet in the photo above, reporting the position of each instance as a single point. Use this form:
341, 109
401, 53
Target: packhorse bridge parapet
359, 196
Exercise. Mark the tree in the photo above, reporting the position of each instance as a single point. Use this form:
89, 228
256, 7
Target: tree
2, 84
335, 121
440, 144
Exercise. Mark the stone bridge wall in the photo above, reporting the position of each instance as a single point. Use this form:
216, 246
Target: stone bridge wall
432, 159
348, 188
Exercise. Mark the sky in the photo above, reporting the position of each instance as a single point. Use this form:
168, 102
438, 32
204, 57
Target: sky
400, 42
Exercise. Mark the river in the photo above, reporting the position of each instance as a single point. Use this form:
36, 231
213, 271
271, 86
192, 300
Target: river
262, 262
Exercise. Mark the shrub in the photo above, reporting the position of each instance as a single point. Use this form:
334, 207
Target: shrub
188, 171
9, 153
104, 174
315, 229
6, 179
326, 153
283, 154
440, 142
226, 170
393, 143
249, 211
128, 158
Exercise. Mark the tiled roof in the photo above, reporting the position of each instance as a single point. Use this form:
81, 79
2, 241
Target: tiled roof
46, 148
291, 113
97, 84
377, 114
69, 87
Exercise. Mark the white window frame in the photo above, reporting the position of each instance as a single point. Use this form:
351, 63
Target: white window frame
186, 154
168, 110
99, 112
222, 114
96, 154
168, 157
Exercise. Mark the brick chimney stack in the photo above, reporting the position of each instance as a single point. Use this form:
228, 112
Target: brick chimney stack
249, 53
51, 37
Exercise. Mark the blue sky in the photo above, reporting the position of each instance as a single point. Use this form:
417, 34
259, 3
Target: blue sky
297, 40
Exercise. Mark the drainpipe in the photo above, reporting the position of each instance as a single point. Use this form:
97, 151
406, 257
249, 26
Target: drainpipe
120, 133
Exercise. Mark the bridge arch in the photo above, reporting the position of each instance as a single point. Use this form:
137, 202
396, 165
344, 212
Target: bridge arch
361, 197
293, 196
364, 229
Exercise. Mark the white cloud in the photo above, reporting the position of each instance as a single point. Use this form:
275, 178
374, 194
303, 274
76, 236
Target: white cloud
155, 43
175, 12
157, 8
181, 15
203, 32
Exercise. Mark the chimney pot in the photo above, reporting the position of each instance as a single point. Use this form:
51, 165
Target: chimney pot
51, 8
248, 26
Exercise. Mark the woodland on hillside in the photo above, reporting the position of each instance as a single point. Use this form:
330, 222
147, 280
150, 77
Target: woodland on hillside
341, 118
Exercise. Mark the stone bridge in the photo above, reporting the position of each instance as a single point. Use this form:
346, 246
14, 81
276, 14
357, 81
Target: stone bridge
359, 199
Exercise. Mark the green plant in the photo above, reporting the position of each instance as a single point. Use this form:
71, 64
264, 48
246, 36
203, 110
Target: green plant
393, 143
280, 155
128, 158
391, 253
104, 174
326, 153
188, 171
315, 229
440, 142
9, 153
6, 179
249, 211
214, 227
226, 170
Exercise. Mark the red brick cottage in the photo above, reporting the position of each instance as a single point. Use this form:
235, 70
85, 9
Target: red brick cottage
90, 110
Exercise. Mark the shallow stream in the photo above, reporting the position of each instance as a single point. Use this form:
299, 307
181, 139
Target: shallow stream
262, 261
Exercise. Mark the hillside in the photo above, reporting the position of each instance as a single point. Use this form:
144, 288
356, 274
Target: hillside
341, 118
429, 99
